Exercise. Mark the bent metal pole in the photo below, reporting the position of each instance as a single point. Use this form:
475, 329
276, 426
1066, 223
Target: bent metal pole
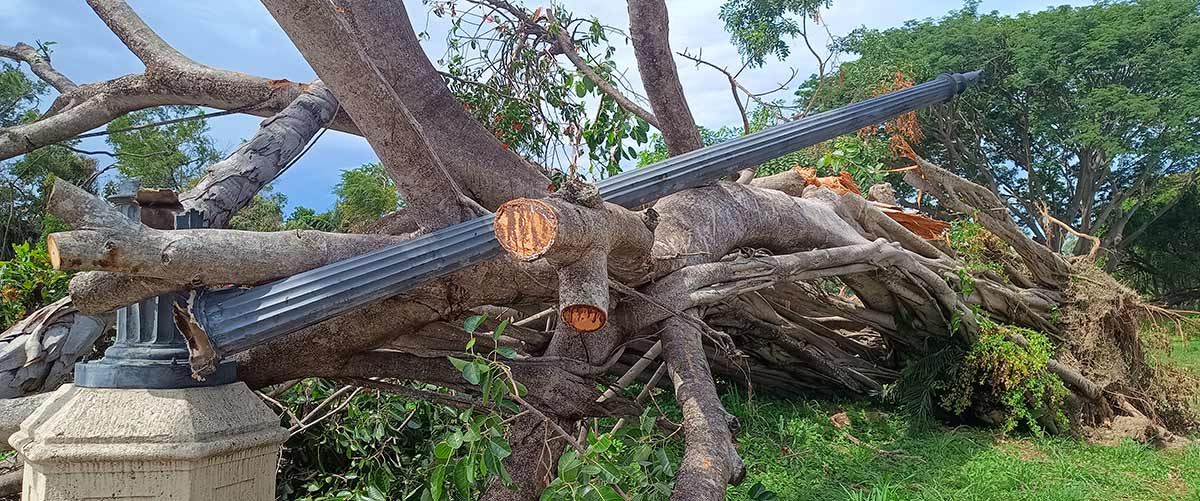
226, 321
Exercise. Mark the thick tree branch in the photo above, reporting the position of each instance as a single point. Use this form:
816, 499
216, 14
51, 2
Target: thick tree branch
170, 79
39, 64
710, 461
459, 141
587, 240
92, 105
227, 187
326, 41
648, 32
230, 185
1046, 266
136, 35
104, 239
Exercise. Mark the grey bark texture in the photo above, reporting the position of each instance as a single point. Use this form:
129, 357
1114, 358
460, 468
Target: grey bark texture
227, 186
325, 40
39, 64
648, 30
459, 141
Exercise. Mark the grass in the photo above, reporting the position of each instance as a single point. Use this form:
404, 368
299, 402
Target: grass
794, 450
1185, 354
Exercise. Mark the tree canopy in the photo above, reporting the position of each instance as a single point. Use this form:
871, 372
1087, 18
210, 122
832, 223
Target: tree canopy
1085, 110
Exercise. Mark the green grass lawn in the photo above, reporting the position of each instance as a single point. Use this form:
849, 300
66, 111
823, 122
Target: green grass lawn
794, 450
1184, 354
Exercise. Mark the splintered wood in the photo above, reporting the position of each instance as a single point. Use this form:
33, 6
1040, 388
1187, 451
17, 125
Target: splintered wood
921, 226
526, 227
843, 183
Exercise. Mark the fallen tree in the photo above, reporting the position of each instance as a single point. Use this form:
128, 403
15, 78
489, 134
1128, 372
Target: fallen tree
779, 284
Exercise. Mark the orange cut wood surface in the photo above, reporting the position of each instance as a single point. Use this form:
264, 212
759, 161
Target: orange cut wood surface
526, 227
584, 317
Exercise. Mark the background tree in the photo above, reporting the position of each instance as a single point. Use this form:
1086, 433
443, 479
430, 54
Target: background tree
1160, 262
24, 181
1085, 110
170, 156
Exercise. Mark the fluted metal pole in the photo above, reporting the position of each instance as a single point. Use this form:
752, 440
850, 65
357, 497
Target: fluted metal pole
237, 319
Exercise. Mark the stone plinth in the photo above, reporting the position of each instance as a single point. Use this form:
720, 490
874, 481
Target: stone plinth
218, 443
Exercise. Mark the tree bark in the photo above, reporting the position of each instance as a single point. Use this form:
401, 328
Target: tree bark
710, 461
326, 42
40, 66
170, 79
226, 188
648, 27
104, 239
1046, 267
458, 140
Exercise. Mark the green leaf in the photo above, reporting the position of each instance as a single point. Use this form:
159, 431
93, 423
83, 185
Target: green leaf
507, 352
442, 450
459, 363
499, 330
499, 448
471, 436
607, 493
455, 440
472, 323
602, 444
568, 466
464, 475
470, 372
437, 479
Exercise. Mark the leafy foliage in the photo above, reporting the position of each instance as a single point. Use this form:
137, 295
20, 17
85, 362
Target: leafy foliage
1080, 105
1000, 374
657, 148
28, 282
265, 212
364, 194
633, 459
509, 78
1161, 262
977, 248
473, 451
376, 449
25, 181
761, 28
166, 156
19, 94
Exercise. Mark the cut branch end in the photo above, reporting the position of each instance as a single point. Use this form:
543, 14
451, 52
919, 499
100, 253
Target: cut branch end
526, 227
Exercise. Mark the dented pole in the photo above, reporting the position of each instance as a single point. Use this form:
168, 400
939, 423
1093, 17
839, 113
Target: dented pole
233, 320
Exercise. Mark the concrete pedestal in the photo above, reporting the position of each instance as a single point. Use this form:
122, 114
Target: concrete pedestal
218, 443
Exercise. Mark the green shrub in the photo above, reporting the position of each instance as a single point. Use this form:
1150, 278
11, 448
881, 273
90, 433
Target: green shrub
28, 282
977, 248
998, 374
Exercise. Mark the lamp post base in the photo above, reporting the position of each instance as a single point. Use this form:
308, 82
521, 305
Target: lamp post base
216, 443
150, 375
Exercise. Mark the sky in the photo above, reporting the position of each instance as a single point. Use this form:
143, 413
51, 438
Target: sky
240, 35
